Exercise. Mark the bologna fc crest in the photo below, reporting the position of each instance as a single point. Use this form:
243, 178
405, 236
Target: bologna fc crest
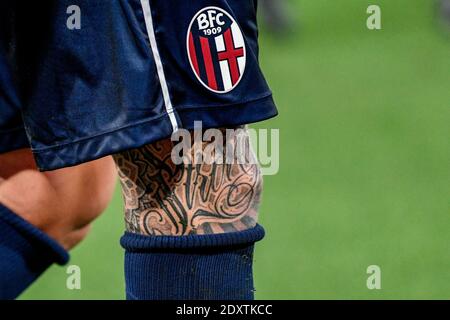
216, 49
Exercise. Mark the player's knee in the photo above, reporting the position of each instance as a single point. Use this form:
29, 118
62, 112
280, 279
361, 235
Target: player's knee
162, 198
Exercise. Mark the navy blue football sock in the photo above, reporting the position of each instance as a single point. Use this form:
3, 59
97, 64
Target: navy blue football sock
194, 267
25, 253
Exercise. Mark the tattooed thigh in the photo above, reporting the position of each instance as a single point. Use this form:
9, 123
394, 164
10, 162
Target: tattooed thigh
164, 198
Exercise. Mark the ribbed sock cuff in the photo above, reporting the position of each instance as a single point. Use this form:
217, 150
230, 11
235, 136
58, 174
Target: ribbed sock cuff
194, 267
25, 253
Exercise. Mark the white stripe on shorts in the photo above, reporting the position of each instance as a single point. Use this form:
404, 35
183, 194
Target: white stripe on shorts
162, 78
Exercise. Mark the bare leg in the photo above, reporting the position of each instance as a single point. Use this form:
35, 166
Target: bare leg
191, 227
62, 203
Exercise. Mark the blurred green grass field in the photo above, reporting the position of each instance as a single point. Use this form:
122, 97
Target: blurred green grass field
364, 164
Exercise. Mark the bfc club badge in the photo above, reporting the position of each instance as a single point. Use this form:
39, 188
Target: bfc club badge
216, 49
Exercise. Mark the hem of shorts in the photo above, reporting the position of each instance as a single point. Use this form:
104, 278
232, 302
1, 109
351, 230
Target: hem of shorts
13, 139
228, 115
145, 132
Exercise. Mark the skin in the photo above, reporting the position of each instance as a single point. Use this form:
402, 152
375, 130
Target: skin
51, 200
162, 198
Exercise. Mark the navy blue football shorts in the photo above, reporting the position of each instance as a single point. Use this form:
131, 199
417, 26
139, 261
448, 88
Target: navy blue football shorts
82, 79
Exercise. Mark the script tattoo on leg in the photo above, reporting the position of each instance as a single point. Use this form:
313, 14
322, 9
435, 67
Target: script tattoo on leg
162, 198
